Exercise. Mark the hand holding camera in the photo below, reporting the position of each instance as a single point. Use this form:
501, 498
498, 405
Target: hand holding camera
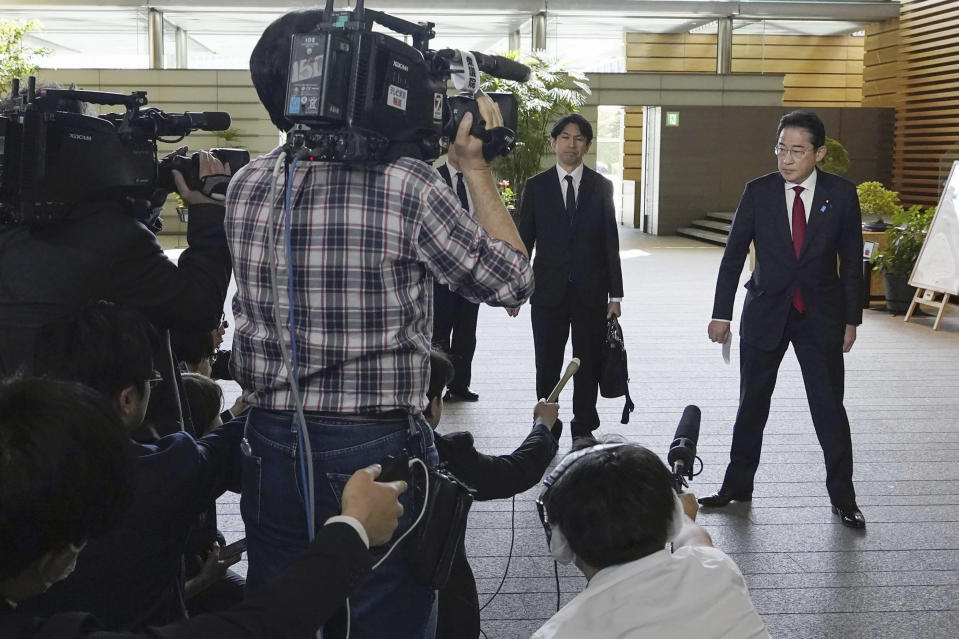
211, 176
374, 504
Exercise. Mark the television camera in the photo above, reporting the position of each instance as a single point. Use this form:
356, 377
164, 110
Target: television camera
355, 95
52, 159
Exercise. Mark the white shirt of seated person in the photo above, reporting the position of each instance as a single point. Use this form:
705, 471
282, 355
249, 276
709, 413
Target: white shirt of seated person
696, 591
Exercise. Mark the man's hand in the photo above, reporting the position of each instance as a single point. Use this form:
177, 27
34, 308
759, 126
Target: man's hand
212, 571
613, 310
690, 505
718, 331
238, 406
209, 165
467, 150
513, 312
375, 505
546, 413
849, 338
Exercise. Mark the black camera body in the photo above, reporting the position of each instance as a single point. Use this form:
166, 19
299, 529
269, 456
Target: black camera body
53, 159
356, 95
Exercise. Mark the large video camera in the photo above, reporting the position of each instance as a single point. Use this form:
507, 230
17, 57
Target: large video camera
360, 96
52, 159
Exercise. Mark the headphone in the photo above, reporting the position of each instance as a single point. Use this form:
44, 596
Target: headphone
558, 546
554, 538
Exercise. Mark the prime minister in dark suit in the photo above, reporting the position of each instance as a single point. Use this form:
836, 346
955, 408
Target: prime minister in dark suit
802, 221
568, 215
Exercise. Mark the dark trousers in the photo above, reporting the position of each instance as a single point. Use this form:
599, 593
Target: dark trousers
454, 330
823, 373
551, 329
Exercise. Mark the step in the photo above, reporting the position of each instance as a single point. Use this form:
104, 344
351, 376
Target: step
718, 215
712, 237
712, 225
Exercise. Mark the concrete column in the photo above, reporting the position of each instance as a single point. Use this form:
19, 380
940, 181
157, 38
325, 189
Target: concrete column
724, 44
514, 41
539, 31
155, 37
182, 48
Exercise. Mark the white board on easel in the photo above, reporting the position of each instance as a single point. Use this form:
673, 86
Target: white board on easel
937, 268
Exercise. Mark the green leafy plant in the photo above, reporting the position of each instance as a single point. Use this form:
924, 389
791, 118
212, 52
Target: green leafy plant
551, 92
875, 199
836, 159
906, 236
506, 193
229, 137
16, 58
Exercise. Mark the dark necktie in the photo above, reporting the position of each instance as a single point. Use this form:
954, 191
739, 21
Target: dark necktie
570, 198
799, 233
461, 191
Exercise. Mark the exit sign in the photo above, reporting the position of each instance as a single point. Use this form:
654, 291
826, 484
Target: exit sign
672, 118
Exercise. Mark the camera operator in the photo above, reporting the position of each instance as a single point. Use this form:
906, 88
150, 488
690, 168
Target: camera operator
65, 477
368, 241
612, 512
100, 251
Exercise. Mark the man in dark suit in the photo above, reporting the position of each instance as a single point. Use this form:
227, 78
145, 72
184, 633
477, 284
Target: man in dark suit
454, 316
568, 214
801, 220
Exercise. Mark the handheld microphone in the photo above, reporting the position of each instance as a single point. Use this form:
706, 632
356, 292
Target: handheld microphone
682, 452
571, 370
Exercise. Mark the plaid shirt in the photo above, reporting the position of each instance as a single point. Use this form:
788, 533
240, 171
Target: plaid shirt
367, 243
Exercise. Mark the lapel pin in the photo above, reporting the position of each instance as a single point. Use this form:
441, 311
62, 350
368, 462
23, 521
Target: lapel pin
824, 207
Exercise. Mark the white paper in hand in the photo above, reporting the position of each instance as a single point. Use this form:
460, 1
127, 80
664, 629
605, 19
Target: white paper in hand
727, 344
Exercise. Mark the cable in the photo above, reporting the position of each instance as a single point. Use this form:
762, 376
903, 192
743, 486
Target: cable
426, 501
556, 574
509, 557
305, 452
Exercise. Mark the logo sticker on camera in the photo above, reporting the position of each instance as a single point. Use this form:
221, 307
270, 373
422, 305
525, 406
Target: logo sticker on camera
437, 106
396, 97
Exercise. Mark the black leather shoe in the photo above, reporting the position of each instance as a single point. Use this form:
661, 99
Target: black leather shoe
720, 499
464, 394
852, 518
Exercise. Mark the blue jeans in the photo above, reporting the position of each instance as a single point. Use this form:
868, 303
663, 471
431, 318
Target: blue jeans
391, 603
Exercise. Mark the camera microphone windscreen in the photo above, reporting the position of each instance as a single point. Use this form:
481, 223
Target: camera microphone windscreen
502, 67
682, 451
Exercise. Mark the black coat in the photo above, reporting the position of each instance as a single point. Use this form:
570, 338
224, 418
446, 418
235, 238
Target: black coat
585, 252
832, 296
47, 273
295, 604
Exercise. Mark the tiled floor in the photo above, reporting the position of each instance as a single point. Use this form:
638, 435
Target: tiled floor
809, 576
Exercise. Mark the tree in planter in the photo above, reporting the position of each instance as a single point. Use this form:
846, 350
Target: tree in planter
16, 58
875, 199
836, 159
906, 236
550, 93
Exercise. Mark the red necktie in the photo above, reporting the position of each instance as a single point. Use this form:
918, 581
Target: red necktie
799, 233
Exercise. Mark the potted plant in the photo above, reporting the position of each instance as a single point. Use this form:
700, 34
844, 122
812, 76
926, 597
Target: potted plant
836, 159
876, 200
906, 236
551, 92
16, 58
182, 211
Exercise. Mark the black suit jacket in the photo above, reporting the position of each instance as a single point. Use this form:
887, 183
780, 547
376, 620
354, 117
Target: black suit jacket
833, 297
444, 172
585, 252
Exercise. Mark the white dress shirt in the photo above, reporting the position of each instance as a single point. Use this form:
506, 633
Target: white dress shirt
809, 189
696, 591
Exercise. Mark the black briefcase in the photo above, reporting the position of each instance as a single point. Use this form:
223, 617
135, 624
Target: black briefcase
614, 377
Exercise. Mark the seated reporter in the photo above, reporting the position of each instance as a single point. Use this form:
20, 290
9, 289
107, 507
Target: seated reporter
612, 511
66, 475
492, 477
133, 577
